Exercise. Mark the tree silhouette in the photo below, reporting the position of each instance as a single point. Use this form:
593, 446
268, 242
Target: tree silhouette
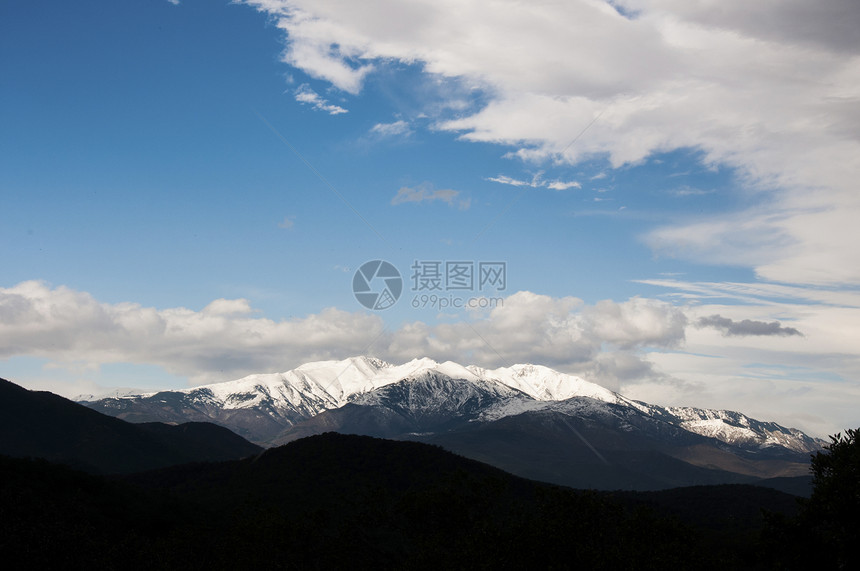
834, 508
826, 531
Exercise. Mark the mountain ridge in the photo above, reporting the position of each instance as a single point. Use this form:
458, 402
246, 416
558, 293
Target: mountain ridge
261, 407
580, 442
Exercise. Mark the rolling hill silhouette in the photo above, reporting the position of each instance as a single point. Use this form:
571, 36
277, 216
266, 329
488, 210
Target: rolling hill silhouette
44, 425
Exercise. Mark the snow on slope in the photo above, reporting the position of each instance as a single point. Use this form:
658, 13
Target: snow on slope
543, 383
333, 383
113, 393
318, 386
736, 428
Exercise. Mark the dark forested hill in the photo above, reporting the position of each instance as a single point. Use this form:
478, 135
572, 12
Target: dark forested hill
44, 425
332, 501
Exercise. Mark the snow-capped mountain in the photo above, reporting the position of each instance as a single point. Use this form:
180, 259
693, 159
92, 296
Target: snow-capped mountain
527, 419
581, 441
262, 406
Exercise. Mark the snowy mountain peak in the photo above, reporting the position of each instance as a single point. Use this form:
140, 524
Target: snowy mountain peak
545, 384
268, 402
362, 362
334, 383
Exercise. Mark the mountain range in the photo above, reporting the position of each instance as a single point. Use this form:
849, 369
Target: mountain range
527, 419
197, 496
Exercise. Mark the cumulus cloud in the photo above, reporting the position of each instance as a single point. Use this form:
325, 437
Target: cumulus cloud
228, 338
746, 327
620, 370
769, 88
426, 193
228, 307
643, 347
223, 340
304, 94
637, 322
561, 332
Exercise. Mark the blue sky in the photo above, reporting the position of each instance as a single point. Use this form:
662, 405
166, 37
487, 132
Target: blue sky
189, 188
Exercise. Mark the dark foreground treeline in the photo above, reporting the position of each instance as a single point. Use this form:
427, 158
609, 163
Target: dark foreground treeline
336, 501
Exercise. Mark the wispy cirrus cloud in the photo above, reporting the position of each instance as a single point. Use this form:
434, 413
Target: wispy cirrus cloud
760, 293
304, 94
504, 179
562, 185
394, 129
537, 181
689, 191
426, 193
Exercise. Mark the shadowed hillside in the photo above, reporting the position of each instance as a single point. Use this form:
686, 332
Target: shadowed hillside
44, 425
335, 501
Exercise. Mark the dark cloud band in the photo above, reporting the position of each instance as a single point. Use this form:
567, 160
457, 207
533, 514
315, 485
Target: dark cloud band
746, 327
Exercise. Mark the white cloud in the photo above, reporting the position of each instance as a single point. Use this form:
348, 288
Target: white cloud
536, 182
220, 342
563, 185
807, 380
760, 293
504, 179
228, 308
690, 191
304, 94
637, 322
645, 348
770, 88
287, 223
391, 129
559, 332
831, 24
426, 193
227, 339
